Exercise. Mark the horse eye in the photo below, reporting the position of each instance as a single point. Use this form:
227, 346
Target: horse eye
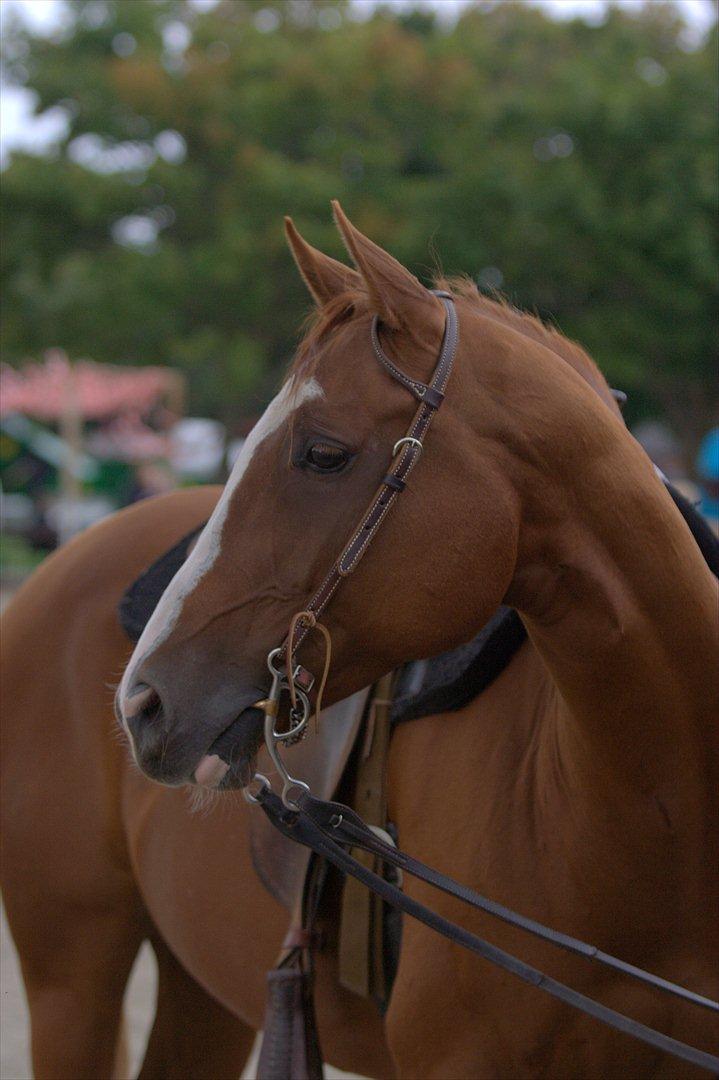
324, 457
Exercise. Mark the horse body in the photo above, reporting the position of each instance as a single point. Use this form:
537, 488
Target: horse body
579, 788
502, 808
480, 793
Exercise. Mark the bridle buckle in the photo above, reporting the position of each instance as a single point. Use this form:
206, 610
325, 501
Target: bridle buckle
407, 440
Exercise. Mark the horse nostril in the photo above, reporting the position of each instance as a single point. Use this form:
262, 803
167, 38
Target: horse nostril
144, 720
142, 703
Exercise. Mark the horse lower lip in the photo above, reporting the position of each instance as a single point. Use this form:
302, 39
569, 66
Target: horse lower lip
211, 770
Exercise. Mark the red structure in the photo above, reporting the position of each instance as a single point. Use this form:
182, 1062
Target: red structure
49, 390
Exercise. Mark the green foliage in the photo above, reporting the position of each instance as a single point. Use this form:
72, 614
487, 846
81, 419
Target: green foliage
578, 161
17, 556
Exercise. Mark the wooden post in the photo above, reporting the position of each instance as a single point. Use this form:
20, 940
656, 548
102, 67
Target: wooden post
70, 427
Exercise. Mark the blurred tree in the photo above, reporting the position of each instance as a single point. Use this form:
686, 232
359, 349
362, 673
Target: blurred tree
571, 166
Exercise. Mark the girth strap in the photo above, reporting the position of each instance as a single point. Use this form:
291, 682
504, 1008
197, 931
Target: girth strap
290, 1044
320, 825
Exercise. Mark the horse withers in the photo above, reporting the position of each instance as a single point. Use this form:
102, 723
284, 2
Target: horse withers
579, 788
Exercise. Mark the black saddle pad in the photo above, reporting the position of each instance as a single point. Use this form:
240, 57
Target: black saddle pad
143, 596
443, 683
450, 681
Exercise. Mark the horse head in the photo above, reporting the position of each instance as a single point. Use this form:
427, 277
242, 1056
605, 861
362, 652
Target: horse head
441, 564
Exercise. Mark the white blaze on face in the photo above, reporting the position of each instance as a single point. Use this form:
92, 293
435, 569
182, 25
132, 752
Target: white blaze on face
207, 548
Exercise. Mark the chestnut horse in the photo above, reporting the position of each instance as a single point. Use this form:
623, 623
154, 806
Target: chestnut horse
579, 788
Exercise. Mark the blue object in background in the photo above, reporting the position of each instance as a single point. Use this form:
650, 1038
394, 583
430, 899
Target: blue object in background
708, 469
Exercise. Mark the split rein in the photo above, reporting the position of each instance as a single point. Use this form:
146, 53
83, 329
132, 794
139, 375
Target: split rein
329, 829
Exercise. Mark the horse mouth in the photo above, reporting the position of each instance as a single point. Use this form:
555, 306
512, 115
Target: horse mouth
229, 762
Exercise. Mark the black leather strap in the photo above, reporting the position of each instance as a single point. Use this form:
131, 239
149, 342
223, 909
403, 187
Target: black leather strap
432, 393
430, 398
304, 827
348, 828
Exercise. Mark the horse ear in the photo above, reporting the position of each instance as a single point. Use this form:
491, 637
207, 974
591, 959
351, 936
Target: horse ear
324, 277
396, 296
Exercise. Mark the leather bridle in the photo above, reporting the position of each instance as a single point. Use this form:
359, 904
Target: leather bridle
332, 830
406, 454
286, 674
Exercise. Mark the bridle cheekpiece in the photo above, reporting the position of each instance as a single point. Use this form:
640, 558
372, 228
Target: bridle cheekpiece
293, 678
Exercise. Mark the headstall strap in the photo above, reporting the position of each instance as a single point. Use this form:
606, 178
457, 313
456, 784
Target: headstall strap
408, 451
294, 679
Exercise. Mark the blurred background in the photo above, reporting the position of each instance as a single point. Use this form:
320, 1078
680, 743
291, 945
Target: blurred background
562, 152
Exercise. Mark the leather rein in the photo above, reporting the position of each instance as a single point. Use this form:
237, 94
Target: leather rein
330, 829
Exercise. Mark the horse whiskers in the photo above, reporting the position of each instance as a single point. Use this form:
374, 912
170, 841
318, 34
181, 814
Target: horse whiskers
119, 734
202, 800
163, 750
226, 802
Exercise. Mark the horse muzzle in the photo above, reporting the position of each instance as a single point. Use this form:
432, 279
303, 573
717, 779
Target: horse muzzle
215, 753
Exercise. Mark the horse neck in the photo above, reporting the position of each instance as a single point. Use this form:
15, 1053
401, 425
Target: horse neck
611, 586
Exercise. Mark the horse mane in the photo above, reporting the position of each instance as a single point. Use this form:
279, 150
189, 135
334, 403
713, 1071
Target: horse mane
322, 323
500, 310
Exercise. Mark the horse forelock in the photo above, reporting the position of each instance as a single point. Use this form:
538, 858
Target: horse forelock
319, 327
